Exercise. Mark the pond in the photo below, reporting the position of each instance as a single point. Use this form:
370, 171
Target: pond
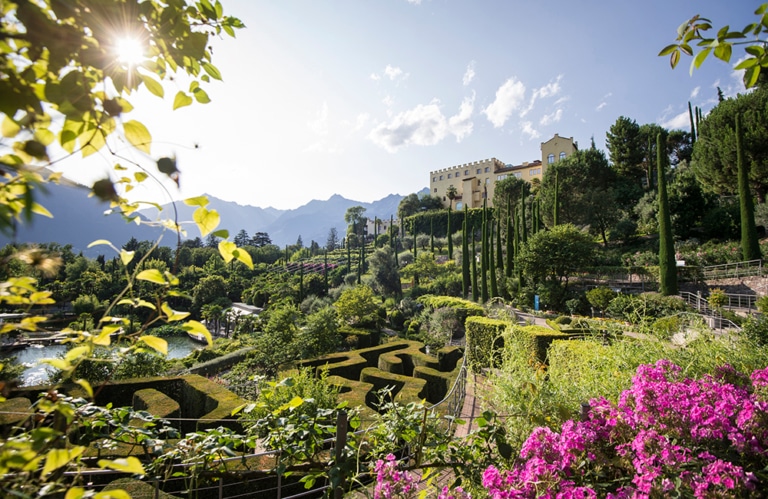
36, 373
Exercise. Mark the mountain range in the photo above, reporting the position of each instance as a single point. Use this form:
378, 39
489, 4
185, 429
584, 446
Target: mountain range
79, 220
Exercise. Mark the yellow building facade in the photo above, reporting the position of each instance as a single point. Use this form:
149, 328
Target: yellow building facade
474, 182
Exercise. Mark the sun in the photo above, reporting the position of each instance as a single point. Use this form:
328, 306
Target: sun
129, 51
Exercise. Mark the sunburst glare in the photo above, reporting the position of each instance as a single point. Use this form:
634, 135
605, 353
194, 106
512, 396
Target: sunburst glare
129, 51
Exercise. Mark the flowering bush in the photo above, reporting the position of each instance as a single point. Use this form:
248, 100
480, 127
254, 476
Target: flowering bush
700, 438
393, 483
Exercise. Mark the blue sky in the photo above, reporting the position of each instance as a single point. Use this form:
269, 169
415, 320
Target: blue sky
364, 97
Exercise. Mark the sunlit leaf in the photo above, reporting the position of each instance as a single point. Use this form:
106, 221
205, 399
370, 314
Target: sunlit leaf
103, 338
244, 257
295, 402
152, 85
155, 343
9, 128
56, 458
126, 256
201, 96
699, 59
140, 176
181, 100
212, 70
751, 75
76, 353
206, 220
102, 241
195, 327
127, 465
86, 386
226, 249
151, 275
173, 315
138, 135
197, 201
75, 493
41, 210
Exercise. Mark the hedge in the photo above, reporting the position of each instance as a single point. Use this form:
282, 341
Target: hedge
156, 403
219, 364
365, 338
484, 341
405, 389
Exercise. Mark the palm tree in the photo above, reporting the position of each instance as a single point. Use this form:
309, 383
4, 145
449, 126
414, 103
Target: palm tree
452, 193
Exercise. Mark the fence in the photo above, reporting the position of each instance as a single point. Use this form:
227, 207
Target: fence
730, 270
261, 484
714, 319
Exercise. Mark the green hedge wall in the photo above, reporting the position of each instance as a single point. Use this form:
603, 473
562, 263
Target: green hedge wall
484, 341
405, 388
156, 403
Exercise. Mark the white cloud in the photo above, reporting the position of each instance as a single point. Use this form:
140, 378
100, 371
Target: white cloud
424, 125
604, 101
415, 2
388, 101
548, 90
528, 129
393, 73
548, 119
319, 125
695, 92
681, 121
508, 98
469, 74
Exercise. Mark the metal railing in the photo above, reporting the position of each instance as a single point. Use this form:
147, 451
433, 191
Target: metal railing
737, 269
714, 319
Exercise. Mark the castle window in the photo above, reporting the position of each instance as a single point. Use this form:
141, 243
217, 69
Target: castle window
562, 155
441, 177
449, 175
478, 171
487, 180
466, 172
534, 171
434, 179
518, 175
550, 159
435, 190
487, 169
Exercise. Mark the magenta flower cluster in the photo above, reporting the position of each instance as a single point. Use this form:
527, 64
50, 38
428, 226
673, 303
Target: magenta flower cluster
665, 436
393, 483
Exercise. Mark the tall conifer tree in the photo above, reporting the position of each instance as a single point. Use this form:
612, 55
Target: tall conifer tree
750, 244
667, 263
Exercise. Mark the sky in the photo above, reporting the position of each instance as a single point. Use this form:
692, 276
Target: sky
363, 98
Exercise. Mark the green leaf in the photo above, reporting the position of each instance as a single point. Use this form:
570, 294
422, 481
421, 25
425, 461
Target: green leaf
244, 257
195, 327
153, 85
226, 250
155, 343
151, 275
700, 57
138, 135
40, 210
56, 458
746, 63
9, 128
674, 58
173, 315
126, 256
86, 386
127, 465
112, 494
197, 201
212, 70
723, 52
76, 353
206, 220
668, 49
295, 402
181, 100
140, 176
201, 96
751, 75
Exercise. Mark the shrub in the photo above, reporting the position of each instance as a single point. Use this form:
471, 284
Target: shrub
667, 436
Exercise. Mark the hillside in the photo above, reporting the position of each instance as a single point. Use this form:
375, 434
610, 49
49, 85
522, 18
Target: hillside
79, 220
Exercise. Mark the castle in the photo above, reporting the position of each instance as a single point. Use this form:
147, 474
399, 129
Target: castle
473, 182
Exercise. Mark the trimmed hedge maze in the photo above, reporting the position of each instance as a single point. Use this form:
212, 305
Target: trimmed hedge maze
199, 402
402, 365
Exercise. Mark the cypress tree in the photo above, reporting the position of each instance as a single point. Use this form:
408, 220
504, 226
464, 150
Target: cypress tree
474, 266
499, 254
448, 232
484, 257
392, 235
667, 264
556, 202
349, 255
523, 225
492, 260
693, 124
510, 239
415, 276
464, 257
750, 245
